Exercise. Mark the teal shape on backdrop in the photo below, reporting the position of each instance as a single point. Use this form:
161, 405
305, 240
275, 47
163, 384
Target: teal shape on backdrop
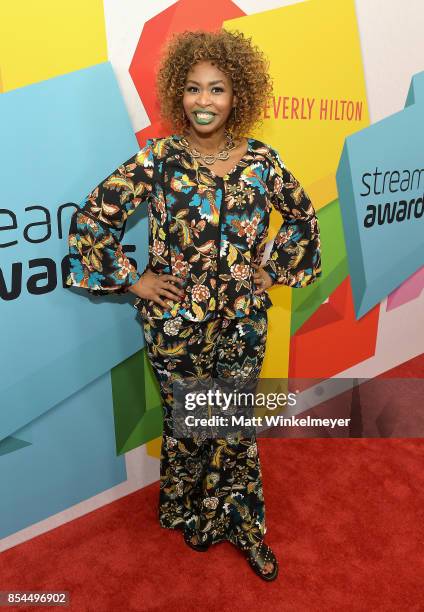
384, 254
59, 139
71, 458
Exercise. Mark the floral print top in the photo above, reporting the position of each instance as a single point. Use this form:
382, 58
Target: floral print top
204, 228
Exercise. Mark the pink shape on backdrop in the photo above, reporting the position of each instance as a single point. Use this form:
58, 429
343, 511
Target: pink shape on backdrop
408, 290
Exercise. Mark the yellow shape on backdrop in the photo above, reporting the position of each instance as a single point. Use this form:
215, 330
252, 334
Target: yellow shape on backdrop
276, 361
319, 98
316, 65
153, 447
323, 191
43, 39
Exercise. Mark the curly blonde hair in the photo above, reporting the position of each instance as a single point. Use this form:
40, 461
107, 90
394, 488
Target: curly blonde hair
242, 61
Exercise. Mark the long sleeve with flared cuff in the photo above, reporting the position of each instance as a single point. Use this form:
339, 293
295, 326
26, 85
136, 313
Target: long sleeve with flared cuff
295, 258
96, 259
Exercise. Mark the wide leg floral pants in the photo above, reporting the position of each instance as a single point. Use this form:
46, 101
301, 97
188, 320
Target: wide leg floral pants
211, 488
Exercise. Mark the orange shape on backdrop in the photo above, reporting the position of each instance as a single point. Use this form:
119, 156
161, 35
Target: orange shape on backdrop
332, 340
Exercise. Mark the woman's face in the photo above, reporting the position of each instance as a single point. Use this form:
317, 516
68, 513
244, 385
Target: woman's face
208, 97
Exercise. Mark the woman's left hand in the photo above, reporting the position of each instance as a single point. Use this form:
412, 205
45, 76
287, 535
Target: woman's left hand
262, 279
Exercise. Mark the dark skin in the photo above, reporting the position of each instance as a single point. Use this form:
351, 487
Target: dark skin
207, 89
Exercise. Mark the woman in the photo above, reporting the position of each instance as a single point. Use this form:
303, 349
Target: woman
209, 191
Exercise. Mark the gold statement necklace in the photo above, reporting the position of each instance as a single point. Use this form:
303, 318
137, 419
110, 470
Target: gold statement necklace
209, 158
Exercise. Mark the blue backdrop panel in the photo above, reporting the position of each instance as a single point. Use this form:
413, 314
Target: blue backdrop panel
385, 254
72, 457
59, 139
416, 90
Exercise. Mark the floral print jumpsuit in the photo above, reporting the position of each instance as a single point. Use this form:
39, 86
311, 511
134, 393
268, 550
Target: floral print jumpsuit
207, 230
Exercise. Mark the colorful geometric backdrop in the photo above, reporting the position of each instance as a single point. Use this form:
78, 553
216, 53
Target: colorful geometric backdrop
80, 419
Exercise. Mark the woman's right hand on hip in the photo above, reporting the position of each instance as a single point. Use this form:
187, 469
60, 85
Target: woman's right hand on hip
151, 286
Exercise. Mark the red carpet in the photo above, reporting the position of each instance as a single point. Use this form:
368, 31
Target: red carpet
345, 518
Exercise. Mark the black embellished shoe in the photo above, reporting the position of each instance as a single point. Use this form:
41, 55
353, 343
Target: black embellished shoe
258, 556
198, 547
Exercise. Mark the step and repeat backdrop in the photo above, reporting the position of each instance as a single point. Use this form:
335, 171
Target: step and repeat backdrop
80, 413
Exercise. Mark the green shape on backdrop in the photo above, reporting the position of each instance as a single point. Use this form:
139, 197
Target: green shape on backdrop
335, 269
137, 403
